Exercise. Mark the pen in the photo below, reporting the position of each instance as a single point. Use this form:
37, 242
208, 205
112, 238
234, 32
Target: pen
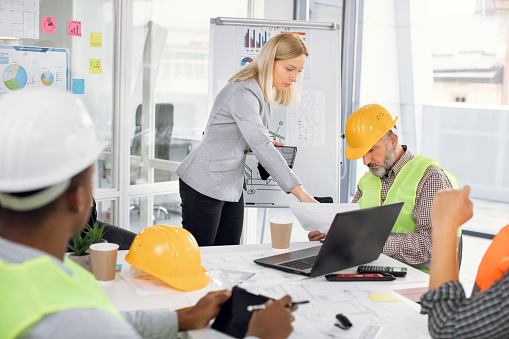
252, 308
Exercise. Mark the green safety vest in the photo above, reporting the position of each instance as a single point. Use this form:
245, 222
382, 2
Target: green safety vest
35, 288
403, 189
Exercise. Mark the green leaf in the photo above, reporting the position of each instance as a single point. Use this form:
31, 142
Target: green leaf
80, 244
96, 231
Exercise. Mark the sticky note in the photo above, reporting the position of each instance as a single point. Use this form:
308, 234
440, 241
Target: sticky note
382, 297
48, 25
96, 39
78, 86
95, 66
118, 268
74, 28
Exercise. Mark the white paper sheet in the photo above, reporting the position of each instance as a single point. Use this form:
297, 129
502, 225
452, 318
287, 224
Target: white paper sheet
318, 217
19, 18
230, 269
145, 284
316, 319
306, 123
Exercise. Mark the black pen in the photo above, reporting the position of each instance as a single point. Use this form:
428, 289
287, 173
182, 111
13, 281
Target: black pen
252, 308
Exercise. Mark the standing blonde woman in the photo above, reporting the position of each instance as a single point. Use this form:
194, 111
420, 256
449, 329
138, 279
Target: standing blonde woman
212, 175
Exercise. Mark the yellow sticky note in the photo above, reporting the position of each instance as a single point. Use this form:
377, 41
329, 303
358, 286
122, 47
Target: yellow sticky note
96, 39
382, 297
95, 66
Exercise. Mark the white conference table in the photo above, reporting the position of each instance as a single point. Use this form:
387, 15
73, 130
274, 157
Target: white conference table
125, 298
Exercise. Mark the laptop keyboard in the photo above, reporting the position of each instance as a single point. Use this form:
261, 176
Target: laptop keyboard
300, 264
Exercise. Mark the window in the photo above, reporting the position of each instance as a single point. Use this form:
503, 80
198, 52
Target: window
441, 68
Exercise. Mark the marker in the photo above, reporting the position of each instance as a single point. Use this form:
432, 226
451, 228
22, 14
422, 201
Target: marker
252, 308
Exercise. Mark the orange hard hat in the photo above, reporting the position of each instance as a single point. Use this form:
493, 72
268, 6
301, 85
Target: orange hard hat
365, 127
171, 254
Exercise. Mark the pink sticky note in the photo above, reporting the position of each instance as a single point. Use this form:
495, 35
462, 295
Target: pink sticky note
74, 28
48, 25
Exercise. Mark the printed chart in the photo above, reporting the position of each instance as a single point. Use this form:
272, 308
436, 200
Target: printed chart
15, 77
253, 39
47, 78
25, 66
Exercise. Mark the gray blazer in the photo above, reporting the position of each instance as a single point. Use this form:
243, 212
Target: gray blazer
238, 121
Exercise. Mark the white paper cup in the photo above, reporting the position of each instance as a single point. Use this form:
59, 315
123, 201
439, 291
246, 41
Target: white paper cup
280, 233
104, 260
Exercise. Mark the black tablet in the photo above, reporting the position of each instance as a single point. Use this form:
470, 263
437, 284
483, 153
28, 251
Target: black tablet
233, 317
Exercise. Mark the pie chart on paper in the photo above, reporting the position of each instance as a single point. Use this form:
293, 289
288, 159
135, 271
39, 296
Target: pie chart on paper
47, 78
15, 77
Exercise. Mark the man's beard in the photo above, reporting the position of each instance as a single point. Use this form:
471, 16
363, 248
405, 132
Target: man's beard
389, 160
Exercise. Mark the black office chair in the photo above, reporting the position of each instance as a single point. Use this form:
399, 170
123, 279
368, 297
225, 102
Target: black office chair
163, 130
112, 234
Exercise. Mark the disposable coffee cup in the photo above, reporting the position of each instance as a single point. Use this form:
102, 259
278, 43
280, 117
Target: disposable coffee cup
104, 260
280, 232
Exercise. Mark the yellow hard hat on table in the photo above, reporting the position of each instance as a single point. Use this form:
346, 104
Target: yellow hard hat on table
365, 127
171, 254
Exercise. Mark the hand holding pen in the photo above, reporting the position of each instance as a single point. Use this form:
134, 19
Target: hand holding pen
291, 304
274, 321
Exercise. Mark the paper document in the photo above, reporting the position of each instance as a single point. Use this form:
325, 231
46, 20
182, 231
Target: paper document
318, 217
326, 299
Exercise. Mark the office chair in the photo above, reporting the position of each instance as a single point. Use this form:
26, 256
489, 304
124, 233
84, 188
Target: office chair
112, 234
163, 130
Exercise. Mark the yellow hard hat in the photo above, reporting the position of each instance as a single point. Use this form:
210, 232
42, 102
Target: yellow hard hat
171, 254
365, 127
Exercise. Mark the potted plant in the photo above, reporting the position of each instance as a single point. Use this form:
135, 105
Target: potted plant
81, 244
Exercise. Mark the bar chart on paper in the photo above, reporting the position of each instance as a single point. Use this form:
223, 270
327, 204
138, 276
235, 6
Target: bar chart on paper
254, 39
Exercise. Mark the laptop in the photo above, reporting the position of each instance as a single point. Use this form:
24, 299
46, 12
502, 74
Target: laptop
354, 238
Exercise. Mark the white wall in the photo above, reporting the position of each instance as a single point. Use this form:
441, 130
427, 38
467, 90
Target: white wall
278, 9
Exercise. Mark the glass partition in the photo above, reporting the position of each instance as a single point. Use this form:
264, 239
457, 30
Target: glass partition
51, 24
170, 54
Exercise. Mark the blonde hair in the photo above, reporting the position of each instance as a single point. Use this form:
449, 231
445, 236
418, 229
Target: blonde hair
281, 47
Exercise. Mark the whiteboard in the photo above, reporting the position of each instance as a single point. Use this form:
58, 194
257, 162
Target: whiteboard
314, 126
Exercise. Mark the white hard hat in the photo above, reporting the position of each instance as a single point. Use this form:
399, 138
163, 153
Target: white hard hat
46, 137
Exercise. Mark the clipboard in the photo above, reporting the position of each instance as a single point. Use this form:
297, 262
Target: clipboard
233, 317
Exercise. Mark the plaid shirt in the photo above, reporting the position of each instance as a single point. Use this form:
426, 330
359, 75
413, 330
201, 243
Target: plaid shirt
414, 247
452, 315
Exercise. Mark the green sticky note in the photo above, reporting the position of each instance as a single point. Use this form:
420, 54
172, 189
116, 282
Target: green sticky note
382, 297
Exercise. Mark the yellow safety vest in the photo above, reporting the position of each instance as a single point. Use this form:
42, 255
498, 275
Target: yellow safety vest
37, 287
403, 189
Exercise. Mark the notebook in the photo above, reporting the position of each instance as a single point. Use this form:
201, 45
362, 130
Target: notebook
354, 238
